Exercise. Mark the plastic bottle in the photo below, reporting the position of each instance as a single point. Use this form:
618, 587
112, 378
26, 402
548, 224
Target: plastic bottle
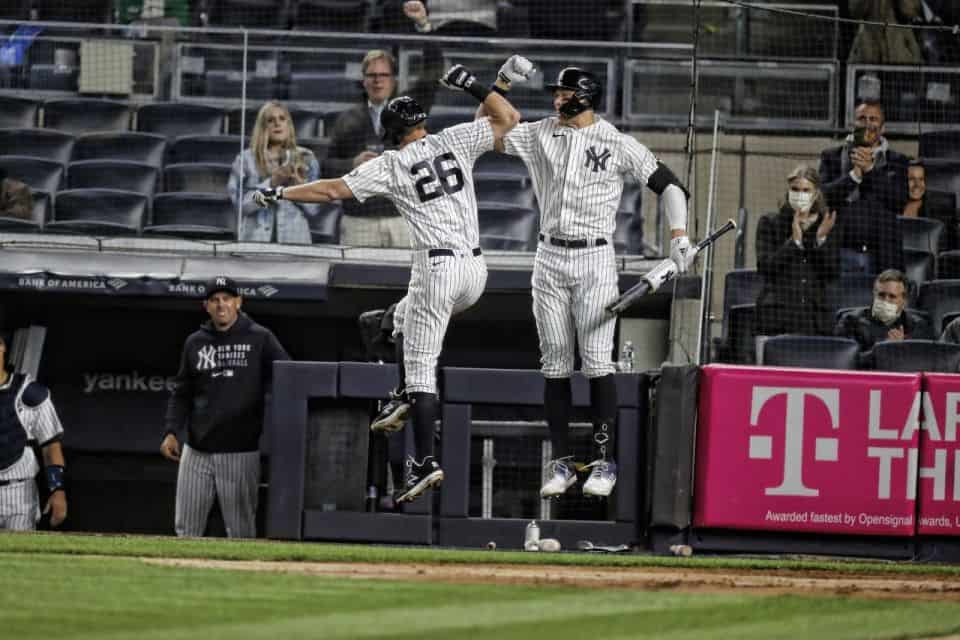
531, 537
627, 357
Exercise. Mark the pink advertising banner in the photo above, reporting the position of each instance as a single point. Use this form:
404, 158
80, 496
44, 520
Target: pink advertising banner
806, 450
938, 470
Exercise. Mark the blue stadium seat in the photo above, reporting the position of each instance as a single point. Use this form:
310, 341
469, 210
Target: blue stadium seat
507, 228
941, 143
99, 212
919, 266
37, 173
325, 226
943, 175
938, 298
740, 290
812, 352
147, 148
324, 86
916, 355
196, 177
38, 143
215, 149
498, 165
229, 84
513, 192
920, 234
122, 175
948, 265
18, 113
172, 119
193, 215
85, 115
851, 290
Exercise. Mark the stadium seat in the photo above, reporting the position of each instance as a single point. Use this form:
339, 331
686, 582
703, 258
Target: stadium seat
215, 149
85, 115
193, 215
99, 212
41, 208
938, 298
513, 192
812, 352
122, 175
498, 165
940, 144
943, 175
308, 124
851, 290
18, 113
50, 77
37, 173
920, 234
229, 84
330, 15
948, 265
196, 177
324, 86
252, 14
507, 228
916, 355
38, 143
325, 226
740, 290
942, 206
319, 146
947, 319
134, 147
172, 119
919, 266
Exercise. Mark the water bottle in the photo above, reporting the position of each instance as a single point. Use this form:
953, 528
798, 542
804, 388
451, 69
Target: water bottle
627, 359
531, 537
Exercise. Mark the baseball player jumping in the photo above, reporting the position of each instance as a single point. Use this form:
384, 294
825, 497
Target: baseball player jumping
578, 163
430, 180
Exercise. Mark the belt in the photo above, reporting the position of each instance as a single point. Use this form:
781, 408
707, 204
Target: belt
580, 243
436, 253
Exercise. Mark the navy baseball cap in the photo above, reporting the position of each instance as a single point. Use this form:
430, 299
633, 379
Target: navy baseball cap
221, 283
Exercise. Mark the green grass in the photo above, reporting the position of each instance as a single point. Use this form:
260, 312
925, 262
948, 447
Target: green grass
60, 596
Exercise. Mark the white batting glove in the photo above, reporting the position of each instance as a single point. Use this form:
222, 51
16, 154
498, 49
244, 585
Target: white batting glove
516, 69
681, 253
267, 196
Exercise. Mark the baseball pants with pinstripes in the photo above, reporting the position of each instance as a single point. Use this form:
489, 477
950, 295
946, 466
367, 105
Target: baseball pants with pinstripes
440, 287
19, 506
571, 288
232, 478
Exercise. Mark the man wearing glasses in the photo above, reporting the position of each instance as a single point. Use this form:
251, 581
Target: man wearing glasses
357, 138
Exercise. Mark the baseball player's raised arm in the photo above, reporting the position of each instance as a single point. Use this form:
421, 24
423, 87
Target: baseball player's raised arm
503, 117
323, 190
515, 69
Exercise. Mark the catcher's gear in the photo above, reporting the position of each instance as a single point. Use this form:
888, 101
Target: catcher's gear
401, 114
587, 90
267, 196
459, 77
515, 69
681, 253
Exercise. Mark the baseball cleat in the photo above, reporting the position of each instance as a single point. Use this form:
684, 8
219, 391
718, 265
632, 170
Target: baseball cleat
560, 476
420, 477
393, 415
603, 477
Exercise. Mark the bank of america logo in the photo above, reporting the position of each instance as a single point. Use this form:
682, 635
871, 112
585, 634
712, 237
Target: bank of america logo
117, 283
268, 290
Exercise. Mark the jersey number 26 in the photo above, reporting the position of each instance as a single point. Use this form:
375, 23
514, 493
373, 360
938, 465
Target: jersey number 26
438, 179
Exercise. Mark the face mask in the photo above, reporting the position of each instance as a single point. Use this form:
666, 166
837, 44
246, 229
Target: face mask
885, 312
801, 200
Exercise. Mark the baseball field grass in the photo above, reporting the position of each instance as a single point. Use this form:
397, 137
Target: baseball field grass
114, 587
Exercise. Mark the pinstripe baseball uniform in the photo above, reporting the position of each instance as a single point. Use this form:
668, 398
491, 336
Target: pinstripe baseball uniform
578, 176
430, 181
26, 414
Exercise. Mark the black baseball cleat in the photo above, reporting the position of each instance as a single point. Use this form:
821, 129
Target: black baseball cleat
393, 415
420, 477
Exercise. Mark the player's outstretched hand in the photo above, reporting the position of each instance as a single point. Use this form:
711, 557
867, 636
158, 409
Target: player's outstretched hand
267, 196
516, 69
57, 508
681, 252
458, 77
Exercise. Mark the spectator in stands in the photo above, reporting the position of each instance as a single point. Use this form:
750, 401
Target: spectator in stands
16, 199
865, 182
357, 138
273, 160
797, 258
887, 318
225, 371
921, 205
916, 190
880, 44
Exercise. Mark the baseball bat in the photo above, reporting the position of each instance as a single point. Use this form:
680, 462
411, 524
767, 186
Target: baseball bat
663, 272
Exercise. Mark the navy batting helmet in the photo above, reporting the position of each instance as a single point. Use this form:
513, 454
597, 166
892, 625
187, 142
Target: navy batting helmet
400, 114
587, 90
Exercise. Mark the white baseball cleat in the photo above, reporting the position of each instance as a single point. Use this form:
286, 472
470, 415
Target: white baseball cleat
560, 476
603, 477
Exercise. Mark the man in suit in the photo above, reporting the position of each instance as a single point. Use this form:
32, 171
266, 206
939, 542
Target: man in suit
866, 182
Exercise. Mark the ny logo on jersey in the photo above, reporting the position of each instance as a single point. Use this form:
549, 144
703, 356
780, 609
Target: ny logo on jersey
207, 358
599, 160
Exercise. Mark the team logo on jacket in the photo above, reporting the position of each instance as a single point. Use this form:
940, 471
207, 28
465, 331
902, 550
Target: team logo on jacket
597, 159
206, 358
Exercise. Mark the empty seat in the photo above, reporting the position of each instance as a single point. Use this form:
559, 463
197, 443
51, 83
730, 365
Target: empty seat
193, 215
135, 147
41, 209
38, 143
740, 290
498, 165
113, 174
330, 15
18, 113
514, 192
943, 175
308, 124
812, 352
85, 115
324, 86
942, 206
940, 144
99, 212
37, 173
51, 77
938, 298
174, 119
948, 265
920, 234
507, 228
215, 149
229, 84
916, 355
919, 266
197, 177
325, 226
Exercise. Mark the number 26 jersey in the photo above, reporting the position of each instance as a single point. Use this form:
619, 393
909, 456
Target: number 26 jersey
431, 183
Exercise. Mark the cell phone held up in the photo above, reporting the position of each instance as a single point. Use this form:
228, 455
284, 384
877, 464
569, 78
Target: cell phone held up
860, 137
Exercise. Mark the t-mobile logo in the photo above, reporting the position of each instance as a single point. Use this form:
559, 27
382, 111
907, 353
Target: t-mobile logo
825, 449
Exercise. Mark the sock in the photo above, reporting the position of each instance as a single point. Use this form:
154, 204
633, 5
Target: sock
423, 409
401, 369
558, 403
603, 405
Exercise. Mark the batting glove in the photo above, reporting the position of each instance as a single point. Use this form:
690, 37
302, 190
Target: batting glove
267, 196
681, 252
516, 69
458, 77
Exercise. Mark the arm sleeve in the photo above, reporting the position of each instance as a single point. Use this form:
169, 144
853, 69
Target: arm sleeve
372, 178
237, 187
39, 416
178, 406
471, 139
521, 140
310, 209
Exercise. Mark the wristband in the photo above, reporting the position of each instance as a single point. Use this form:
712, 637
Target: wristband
55, 477
499, 89
279, 193
477, 90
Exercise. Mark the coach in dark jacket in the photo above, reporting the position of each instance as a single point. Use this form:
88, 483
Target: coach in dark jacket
225, 371
867, 185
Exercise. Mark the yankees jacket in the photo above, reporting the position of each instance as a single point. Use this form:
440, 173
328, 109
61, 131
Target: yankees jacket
219, 389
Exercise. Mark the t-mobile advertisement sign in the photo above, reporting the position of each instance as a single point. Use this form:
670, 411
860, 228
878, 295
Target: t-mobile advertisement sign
807, 450
938, 472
